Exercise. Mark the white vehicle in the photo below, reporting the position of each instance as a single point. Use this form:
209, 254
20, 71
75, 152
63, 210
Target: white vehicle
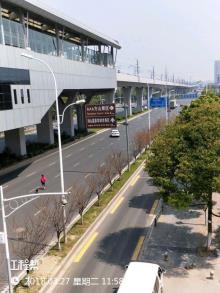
173, 104
142, 277
115, 133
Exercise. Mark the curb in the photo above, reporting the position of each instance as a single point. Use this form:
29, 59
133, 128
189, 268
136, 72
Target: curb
59, 269
16, 166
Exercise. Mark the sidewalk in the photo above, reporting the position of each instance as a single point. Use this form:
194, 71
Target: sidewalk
182, 234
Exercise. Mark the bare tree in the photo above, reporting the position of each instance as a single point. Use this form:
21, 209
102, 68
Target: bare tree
56, 216
140, 141
97, 183
82, 195
33, 238
108, 170
118, 161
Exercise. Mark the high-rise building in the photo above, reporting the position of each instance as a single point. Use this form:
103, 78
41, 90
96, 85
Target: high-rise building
217, 72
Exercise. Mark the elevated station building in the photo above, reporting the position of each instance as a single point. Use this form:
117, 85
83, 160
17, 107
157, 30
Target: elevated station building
82, 59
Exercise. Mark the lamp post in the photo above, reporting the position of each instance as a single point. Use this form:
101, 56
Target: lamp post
4, 216
127, 140
75, 103
168, 108
58, 129
149, 112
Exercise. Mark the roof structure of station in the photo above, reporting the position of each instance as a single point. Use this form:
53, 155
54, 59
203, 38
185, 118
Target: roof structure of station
82, 59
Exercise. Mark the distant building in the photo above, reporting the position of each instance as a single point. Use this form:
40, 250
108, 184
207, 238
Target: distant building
217, 72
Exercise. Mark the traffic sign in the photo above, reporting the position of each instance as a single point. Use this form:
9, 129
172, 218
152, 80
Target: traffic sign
2, 237
100, 116
158, 102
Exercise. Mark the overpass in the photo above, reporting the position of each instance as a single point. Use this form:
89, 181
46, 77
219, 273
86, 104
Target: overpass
128, 83
83, 62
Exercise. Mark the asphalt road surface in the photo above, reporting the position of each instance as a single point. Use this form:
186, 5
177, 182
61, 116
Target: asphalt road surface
79, 159
99, 264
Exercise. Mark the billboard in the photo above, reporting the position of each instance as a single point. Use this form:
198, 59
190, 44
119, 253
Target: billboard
100, 116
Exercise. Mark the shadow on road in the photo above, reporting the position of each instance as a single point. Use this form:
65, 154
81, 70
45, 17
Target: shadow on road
12, 175
118, 248
143, 201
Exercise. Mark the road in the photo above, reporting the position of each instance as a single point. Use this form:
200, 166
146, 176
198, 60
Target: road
80, 159
110, 245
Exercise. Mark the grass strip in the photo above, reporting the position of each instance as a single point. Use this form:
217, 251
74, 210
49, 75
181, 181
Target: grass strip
77, 231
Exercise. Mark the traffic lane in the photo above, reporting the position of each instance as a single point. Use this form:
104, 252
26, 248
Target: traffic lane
81, 172
114, 241
27, 181
77, 149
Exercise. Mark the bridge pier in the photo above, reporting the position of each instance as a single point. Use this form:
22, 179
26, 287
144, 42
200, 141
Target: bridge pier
15, 141
140, 92
110, 97
81, 119
45, 129
127, 98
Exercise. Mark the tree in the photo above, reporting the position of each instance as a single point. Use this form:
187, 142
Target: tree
184, 160
108, 170
139, 142
82, 196
97, 182
118, 161
33, 238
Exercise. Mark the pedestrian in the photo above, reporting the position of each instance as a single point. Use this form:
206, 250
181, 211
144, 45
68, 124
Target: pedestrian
43, 181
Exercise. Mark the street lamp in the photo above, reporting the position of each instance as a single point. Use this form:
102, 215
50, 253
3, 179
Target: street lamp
168, 98
58, 128
4, 239
127, 140
82, 101
148, 106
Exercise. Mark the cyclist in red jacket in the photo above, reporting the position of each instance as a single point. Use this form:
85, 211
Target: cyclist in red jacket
43, 181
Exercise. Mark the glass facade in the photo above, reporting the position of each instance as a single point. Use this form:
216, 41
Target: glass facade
45, 43
5, 97
9, 76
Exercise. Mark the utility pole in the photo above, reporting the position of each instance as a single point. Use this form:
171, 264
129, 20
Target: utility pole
127, 141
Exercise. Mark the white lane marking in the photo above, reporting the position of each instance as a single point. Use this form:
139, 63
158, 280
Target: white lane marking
87, 138
82, 149
87, 176
76, 164
31, 174
67, 156
37, 213
91, 155
103, 164
57, 175
5, 186
53, 163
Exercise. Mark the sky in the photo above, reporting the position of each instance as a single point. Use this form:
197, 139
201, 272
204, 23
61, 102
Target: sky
182, 37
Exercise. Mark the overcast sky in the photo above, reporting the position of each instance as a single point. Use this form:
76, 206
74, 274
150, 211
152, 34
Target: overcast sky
182, 36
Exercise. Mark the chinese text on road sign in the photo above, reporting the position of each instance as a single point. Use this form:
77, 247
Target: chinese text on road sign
100, 116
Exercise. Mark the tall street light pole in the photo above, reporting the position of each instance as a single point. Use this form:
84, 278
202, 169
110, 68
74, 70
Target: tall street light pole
5, 236
166, 106
148, 106
127, 140
4, 216
59, 133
